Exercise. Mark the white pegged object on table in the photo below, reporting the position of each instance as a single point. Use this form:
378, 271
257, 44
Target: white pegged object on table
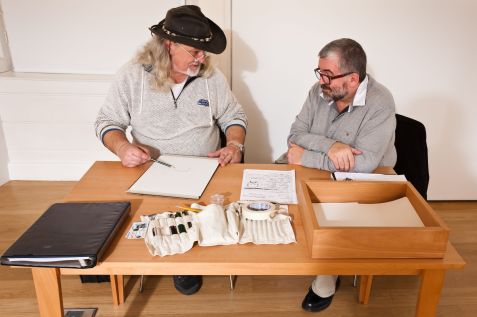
213, 227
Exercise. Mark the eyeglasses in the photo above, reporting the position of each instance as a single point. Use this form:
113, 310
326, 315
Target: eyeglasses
327, 78
196, 55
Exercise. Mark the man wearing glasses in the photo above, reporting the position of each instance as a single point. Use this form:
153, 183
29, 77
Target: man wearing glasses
346, 124
175, 101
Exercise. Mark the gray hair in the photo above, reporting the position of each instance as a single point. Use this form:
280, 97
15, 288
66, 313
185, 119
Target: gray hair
155, 53
352, 57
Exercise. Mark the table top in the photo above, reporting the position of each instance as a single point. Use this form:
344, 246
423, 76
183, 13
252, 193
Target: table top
109, 181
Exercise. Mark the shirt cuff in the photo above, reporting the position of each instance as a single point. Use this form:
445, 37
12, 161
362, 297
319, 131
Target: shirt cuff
107, 129
308, 159
235, 122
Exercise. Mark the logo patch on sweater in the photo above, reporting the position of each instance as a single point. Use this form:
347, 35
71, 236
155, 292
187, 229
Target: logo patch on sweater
203, 102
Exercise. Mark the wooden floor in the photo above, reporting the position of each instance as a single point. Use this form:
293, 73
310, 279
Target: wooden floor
21, 202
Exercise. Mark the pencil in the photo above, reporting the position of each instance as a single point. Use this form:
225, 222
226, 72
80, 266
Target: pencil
161, 162
189, 208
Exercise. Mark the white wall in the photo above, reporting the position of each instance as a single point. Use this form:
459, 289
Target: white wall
423, 51
48, 124
79, 36
4, 177
5, 65
5, 60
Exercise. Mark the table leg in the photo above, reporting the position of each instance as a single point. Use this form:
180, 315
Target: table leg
117, 288
432, 282
121, 289
48, 291
365, 283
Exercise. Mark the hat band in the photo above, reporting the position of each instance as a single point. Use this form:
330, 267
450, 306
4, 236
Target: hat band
205, 39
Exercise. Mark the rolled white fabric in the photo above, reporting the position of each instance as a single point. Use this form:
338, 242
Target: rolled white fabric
213, 227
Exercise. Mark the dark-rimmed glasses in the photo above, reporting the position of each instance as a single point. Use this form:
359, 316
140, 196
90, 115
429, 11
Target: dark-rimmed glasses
327, 78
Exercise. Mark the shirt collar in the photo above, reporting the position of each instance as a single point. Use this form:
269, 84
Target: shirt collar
360, 96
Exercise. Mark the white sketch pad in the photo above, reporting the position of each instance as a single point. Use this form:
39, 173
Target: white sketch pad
187, 178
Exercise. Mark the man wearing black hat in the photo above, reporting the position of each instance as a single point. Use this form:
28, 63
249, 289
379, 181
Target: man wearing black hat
175, 101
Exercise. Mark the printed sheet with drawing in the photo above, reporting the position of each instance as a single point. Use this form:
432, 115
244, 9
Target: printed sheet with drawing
268, 185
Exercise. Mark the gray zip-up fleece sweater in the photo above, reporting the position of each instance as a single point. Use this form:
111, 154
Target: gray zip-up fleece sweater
189, 126
368, 127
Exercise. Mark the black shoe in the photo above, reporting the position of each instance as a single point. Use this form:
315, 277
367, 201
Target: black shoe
187, 284
315, 303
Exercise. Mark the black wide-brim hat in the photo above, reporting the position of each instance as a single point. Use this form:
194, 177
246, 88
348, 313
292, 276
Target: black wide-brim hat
188, 25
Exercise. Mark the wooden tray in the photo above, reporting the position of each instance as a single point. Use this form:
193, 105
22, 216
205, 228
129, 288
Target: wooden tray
429, 241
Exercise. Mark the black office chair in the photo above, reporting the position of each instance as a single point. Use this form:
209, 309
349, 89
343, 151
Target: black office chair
411, 148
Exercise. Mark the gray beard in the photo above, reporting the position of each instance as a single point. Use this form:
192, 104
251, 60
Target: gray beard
334, 95
189, 72
193, 73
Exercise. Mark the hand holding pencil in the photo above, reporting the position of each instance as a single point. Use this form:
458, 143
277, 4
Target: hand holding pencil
133, 155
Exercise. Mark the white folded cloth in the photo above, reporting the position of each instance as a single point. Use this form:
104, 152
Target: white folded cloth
214, 227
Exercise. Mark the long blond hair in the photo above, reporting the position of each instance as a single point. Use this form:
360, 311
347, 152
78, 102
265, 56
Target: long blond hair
155, 53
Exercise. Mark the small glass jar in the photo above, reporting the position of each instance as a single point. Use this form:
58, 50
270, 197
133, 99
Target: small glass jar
217, 199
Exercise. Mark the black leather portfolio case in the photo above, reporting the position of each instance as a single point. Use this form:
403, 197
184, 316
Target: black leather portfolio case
68, 235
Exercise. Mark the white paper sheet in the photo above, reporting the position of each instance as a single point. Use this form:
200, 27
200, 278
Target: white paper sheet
269, 185
187, 178
342, 176
396, 213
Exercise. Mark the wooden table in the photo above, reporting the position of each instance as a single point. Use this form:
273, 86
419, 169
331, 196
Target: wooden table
108, 181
